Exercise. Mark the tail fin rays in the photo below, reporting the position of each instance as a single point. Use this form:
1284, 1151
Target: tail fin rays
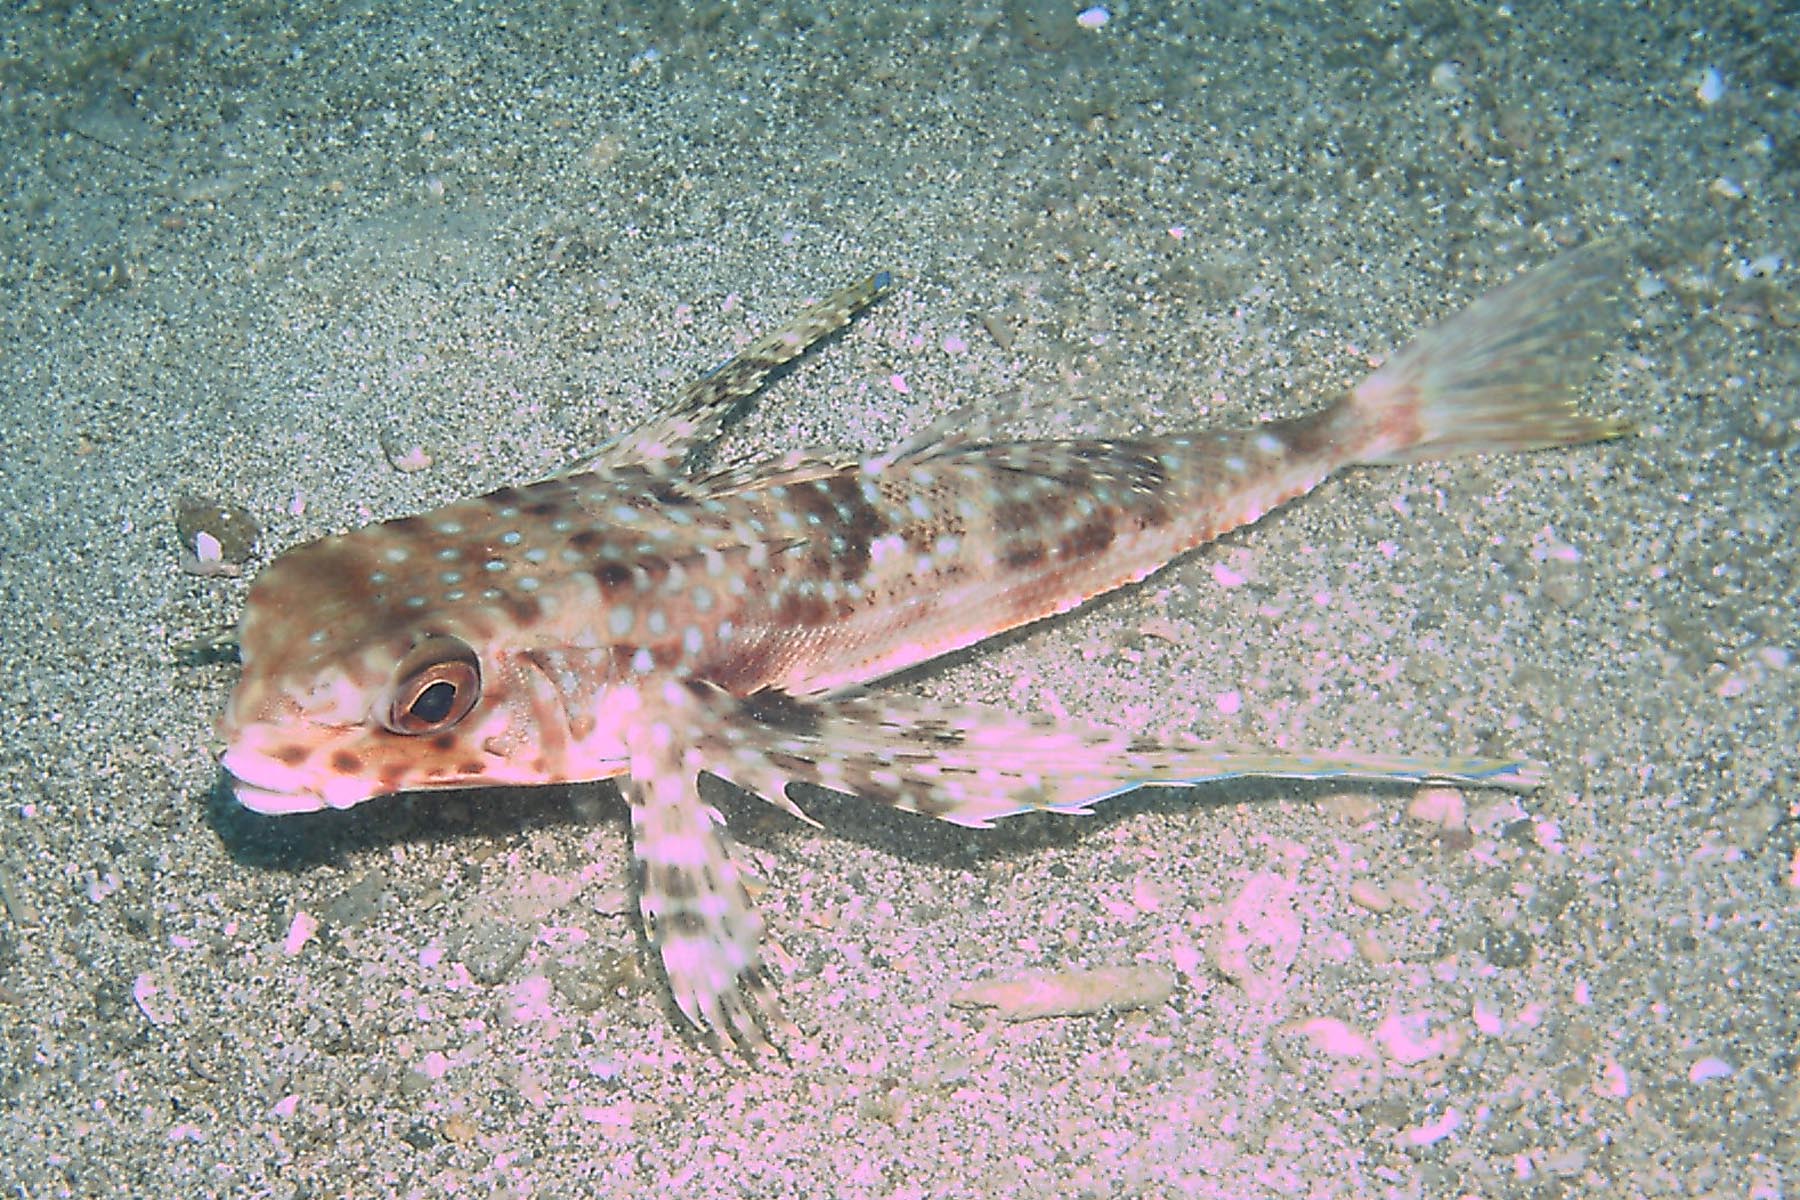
1501, 375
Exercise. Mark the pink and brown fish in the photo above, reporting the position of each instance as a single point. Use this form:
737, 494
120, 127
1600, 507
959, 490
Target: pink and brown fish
641, 618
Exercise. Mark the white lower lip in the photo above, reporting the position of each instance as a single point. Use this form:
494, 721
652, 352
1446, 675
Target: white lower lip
275, 804
251, 779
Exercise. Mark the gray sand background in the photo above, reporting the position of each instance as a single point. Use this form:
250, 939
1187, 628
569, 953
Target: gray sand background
264, 253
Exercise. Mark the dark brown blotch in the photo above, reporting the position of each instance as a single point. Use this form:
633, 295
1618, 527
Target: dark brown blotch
1085, 541
1021, 555
806, 609
521, 607
1306, 437
1022, 514
589, 541
837, 508
681, 886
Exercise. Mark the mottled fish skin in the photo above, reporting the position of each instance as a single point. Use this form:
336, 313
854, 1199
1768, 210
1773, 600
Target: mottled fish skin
642, 619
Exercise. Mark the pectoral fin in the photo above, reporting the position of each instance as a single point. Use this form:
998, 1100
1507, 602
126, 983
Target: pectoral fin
964, 765
697, 915
972, 766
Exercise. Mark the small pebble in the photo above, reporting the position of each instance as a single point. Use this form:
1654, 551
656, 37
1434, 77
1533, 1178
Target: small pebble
1070, 993
1614, 1080
300, 931
489, 950
1372, 949
1443, 807
458, 1128
1369, 895
1328, 1035
1707, 1069
1225, 577
1410, 1038
1432, 1132
593, 981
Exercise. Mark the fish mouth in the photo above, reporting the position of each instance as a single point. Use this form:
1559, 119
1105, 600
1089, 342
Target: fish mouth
270, 803
273, 789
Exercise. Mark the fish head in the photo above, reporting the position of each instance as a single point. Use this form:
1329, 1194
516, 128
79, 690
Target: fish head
427, 653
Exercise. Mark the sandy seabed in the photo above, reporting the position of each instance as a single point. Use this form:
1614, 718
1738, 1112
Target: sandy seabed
284, 257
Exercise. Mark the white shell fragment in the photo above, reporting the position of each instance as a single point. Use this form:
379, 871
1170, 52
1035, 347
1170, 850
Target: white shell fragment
1710, 88
216, 539
300, 931
1070, 993
154, 1000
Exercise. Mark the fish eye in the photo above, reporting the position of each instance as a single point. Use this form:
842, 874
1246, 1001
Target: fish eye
435, 686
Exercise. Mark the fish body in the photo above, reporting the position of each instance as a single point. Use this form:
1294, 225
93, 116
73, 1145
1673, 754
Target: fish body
641, 618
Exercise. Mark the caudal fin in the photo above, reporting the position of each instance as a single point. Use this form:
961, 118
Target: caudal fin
1501, 375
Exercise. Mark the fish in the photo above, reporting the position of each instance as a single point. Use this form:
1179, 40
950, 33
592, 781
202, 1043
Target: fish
647, 617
